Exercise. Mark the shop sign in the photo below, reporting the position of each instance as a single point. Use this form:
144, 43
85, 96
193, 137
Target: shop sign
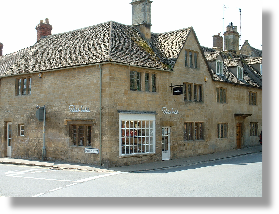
177, 90
91, 150
172, 111
74, 109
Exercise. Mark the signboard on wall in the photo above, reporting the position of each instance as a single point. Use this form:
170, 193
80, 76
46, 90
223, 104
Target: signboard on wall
91, 150
177, 90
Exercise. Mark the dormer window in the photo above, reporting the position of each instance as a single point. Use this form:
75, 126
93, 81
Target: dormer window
239, 73
219, 67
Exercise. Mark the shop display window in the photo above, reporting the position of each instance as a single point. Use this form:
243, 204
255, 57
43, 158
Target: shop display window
137, 137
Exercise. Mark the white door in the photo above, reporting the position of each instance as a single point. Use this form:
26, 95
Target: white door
9, 139
166, 143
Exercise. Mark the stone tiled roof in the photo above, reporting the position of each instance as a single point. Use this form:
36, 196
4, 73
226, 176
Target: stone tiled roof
254, 60
247, 49
107, 42
251, 77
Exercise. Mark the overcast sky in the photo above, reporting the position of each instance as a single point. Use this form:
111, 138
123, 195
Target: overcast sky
20, 17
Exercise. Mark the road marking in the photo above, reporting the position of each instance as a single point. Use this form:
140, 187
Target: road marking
96, 177
38, 195
20, 174
55, 189
79, 181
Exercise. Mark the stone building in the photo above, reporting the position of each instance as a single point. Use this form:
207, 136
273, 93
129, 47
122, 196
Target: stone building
118, 94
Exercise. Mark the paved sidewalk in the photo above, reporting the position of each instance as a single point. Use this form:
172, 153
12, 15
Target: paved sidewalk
160, 165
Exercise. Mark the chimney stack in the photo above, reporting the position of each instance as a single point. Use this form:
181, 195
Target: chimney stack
218, 42
1, 47
141, 16
231, 39
43, 29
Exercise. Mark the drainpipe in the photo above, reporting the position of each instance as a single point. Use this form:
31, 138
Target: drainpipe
44, 133
100, 66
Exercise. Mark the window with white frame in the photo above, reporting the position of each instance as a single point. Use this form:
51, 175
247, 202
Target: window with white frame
219, 67
21, 130
136, 134
239, 73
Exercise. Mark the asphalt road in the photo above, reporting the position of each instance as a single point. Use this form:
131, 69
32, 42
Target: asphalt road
234, 177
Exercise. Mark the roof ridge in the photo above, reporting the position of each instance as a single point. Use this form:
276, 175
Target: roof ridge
172, 31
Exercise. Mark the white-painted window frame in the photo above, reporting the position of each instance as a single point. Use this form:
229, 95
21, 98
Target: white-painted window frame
219, 67
131, 141
239, 72
21, 130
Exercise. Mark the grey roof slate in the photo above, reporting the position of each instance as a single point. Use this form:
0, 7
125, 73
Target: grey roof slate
106, 42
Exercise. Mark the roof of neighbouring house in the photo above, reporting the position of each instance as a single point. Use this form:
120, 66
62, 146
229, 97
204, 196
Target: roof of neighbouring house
251, 77
106, 42
248, 50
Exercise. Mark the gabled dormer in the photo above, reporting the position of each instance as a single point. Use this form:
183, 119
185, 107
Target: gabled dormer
235, 66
